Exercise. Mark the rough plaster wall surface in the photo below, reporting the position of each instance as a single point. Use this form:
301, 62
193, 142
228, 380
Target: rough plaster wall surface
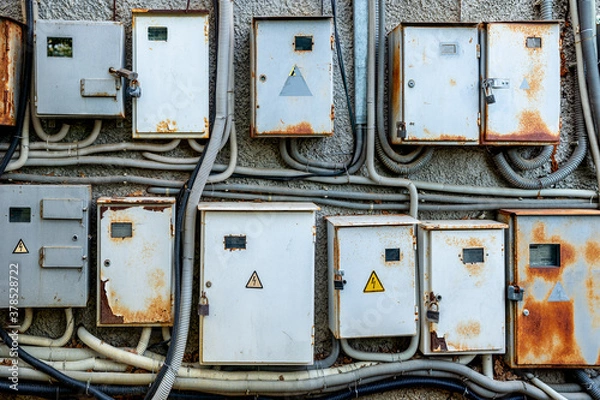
452, 165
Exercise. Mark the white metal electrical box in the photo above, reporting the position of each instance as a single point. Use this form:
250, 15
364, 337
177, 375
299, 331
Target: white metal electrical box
522, 73
462, 287
256, 301
11, 61
434, 73
372, 267
44, 248
170, 55
292, 86
135, 261
553, 288
73, 60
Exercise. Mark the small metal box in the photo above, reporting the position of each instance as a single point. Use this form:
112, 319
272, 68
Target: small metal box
11, 61
554, 267
257, 283
44, 247
135, 261
434, 73
170, 55
372, 266
462, 287
72, 63
292, 87
522, 72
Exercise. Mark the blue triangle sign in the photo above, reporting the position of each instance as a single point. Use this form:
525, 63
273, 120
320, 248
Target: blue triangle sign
295, 85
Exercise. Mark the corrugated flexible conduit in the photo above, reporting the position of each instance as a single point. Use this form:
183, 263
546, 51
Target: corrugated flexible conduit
590, 385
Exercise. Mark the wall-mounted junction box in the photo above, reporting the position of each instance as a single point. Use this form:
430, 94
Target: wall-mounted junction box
553, 285
170, 55
489, 84
434, 73
44, 247
72, 63
292, 86
11, 60
256, 301
462, 287
372, 267
135, 261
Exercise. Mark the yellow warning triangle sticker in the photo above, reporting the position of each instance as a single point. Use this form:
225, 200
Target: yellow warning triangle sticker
373, 284
21, 248
254, 282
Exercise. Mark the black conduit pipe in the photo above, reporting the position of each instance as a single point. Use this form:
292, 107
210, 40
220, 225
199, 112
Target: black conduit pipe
25, 87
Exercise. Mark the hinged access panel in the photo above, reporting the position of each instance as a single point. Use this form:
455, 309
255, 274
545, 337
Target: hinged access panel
135, 261
256, 301
372, 267
554, 261
434, 76
292, 85
170, 55
522, 70
462, 287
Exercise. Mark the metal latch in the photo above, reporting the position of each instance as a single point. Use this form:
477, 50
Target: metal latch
338, 280
515, 293
133, 89
493, 83
203, 306
433, 309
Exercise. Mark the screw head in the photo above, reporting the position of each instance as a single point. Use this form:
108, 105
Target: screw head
526, 312
208, 283
411, 84
107, 263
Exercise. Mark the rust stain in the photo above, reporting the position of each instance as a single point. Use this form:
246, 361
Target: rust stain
156, 279
438, 343
156, 208
11, 37
592, 253
547, 334
206, 126
303, 128
453, 138
396, 80
532, 128
592, 285
452, 82
166, 126
468, 329
106, 314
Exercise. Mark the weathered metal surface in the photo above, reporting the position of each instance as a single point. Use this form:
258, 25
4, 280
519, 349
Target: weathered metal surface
11, 59
527, 111
265, 290
435, 84
292, 86
357, 248
135, 257
557, 324
69, 64
48, 256
173, 73
462, 296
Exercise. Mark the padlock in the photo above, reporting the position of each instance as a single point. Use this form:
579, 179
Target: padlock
203, 306
433, 316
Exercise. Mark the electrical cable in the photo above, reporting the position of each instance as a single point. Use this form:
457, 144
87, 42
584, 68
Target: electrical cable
26, 83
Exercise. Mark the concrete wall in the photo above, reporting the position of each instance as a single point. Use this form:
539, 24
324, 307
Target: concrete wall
450, 165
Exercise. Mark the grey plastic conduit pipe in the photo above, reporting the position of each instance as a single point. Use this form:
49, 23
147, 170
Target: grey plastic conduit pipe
589, 384
398, 163
39, 131
553, 394
27, 320
24, 153
224, 63
514, 154
577, 156
405, 355
373, 175
296, 155
361, 18
106, 148
67, 146
58, 342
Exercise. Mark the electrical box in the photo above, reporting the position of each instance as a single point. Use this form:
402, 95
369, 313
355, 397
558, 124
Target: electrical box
462, 287
11, 64
434, 73
291, 68
256, 301
135, 261
170, 55
73, 60
44, 248
372, 267
553, 285
522, 73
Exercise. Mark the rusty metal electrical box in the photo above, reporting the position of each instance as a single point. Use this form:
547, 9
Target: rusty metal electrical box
256, 300
462, 287
44, 248
135, 261
170, 56
11, 60
434, 73
553, 286
291, 68
372, 268
522, 74
70, 65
